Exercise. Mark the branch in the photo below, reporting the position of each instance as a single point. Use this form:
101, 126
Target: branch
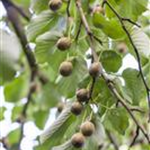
88, 30
135, 137
14, 19
121, 100
79, 30
107, 80
121, 19
5, 143
12, 12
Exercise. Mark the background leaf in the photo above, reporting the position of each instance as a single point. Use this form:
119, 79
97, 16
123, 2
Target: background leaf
116, 119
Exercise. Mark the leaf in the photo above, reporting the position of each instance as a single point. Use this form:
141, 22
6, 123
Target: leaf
44, 22
9, 55
2, 110
127, 9
103, 96
141, 41
116, 119
17, 89
48, 96
40, 117
134, 87
22, 2
146, 71
111, 28
17, 110
46, 46
54, 134
111, 61
65, 146
38, 5
13, 136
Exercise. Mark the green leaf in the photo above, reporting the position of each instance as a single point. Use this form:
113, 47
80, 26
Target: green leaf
111, 28
111, 61
44, 22
17, 110
9, 55
38, 5
13, 136
127, 9
134, 86
54, 134
65, 146
48, 96
146, 71
25, 4
103, 96
17, 89
40, 117
2, 110
116, 119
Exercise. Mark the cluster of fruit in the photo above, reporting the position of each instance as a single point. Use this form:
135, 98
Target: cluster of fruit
86, 130
83, 95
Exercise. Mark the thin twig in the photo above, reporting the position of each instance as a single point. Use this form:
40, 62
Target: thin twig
87, 28
122, 101
134, 47
68, 6
79, 30
5, 143
135, 137
98, 40
112, 140
110, 85
92, 87
20, 10
137, 110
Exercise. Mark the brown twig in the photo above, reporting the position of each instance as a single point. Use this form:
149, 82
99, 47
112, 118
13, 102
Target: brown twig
110, 85
88, 30
122, 102
12, 13
112, 140
135, 137
92, 87
79, 30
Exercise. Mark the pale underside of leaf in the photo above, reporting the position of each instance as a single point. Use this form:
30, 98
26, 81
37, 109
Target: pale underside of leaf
141, 41
56, 125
